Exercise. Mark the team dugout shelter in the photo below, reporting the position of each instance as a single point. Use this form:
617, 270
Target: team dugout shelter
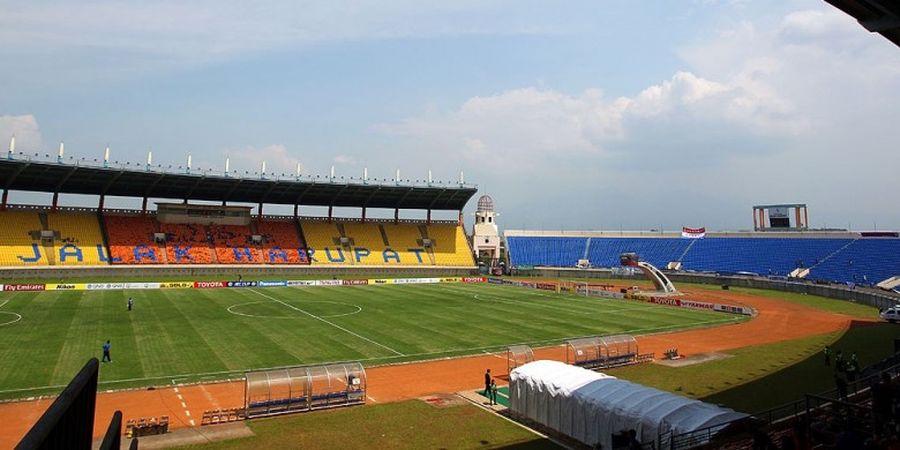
223, 229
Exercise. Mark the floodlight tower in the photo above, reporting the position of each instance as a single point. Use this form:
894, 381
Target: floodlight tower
486, 235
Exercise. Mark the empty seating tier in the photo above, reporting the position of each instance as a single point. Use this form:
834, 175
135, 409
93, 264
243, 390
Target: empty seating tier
131, 240
20, 243
78, 239
281, 243
844, 259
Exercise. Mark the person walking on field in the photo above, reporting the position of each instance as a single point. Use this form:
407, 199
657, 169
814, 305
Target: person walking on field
487, 384
130, 303
106, 347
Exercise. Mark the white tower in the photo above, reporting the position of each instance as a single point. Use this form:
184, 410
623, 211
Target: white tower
486, 237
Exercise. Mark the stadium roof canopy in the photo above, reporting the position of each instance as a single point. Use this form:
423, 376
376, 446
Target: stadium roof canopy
877, 16
151, 182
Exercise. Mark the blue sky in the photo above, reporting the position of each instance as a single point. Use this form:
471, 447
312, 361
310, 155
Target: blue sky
576, 115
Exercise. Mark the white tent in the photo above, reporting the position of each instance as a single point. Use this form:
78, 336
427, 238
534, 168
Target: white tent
591, 406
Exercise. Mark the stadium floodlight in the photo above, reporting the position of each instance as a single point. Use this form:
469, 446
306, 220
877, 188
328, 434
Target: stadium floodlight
106, 156
188, 168
429, 177
397, 177
365, 175
262, 170
462, 180
227, 165
12, 147
298, 170
332, 174
149, 159
59, 157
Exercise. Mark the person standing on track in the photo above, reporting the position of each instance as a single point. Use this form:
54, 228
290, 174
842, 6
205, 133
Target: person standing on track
487, 384
493, 396
106, 347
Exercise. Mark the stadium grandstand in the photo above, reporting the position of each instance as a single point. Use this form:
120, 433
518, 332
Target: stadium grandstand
842, 257
185, 233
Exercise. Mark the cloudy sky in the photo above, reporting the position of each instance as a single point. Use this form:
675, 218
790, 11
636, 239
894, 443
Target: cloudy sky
573, 115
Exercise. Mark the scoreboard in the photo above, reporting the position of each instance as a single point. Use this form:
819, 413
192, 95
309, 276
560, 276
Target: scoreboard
785, 217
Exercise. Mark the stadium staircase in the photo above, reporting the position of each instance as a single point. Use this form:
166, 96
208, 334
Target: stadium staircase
423, 231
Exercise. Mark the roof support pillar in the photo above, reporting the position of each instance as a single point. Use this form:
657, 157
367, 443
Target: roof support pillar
5, 198
364, 215
330, 208
460, 218
55, 201
428, 219
100, 204
396, 216
295, 210
144, 207
259, 211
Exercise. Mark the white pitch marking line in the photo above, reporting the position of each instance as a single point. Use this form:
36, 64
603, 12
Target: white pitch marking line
493, 354
187, 413
4, 302
180, 397
326, 321
183, 405
370, 398
176, 390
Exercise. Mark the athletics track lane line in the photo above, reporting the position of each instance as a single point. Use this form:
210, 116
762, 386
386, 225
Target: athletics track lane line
327, 321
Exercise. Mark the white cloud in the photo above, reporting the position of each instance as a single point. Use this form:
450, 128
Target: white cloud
276, 156
532, 126
129, 37
798, 110
26, 130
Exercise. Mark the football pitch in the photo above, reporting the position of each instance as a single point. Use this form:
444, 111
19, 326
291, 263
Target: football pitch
196, 334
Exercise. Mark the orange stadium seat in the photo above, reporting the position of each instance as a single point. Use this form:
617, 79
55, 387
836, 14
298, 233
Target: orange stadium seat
281, 242
233, 245
130, 240
187, 244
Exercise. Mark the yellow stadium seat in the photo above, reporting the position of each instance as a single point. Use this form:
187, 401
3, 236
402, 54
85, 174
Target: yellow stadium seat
17, 246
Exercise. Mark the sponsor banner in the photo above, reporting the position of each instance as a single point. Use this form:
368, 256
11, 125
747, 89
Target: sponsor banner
270, 283
354, 282
1, 288
693, 233
473, 280
177, 285
734, 309
381, 281
141, 285
104, 286
329, 282
241, 284
416, 280
211, 284
493, 280
665, 301
545, 286
697, 305
66, 287
451, 280
301, 282
24, 287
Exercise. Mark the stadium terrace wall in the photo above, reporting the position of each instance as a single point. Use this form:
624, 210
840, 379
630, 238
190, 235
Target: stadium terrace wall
868, 297
220, 271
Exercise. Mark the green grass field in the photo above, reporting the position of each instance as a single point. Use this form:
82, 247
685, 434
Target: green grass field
191, 335
412, 424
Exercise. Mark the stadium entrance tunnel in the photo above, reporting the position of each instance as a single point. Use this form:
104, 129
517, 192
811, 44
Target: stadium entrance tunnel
298, 389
